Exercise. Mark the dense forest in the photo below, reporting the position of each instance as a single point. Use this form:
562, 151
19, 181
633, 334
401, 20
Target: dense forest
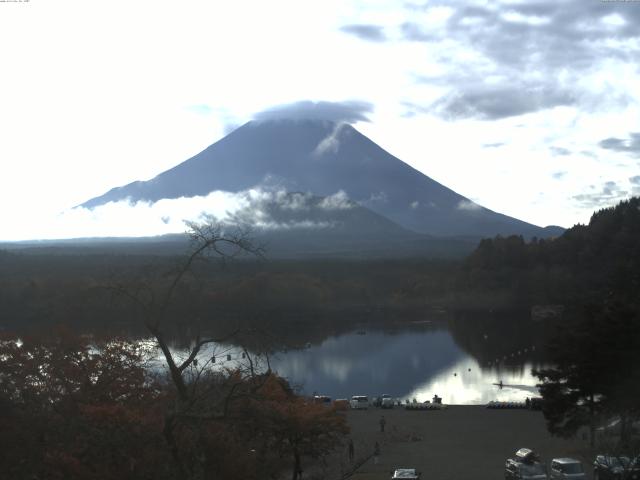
586, 262
502, 272
38, 289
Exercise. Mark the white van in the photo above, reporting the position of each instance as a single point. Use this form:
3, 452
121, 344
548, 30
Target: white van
386, 401
359, 402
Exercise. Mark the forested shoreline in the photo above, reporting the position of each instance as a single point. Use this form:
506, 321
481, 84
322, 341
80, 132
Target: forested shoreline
197, 421
502, 273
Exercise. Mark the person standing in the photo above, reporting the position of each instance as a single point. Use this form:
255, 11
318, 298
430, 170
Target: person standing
376, 453
351, 450
383, 422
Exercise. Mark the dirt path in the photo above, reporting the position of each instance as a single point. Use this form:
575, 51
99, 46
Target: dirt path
461, 442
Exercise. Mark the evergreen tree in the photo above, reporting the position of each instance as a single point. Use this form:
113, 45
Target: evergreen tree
596, 373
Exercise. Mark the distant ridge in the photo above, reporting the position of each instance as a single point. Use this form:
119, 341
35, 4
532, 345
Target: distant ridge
291, 225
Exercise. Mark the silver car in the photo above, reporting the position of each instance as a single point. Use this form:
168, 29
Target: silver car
525, 465
406, 474
516, 470
566, 469
386, 401
359, 402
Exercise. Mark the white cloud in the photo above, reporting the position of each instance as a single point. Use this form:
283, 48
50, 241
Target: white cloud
379, 197
329, 144
534, 20
291, 201
351, 111
613, 19
255, 207
337, 201
468, 205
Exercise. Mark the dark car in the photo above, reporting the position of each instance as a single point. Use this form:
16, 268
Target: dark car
322, 400
616, 467
536, 403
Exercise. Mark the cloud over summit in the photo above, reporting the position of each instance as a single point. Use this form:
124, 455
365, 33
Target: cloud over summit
351, 111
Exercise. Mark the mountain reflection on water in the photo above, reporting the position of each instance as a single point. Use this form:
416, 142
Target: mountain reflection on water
461, 359
407, 365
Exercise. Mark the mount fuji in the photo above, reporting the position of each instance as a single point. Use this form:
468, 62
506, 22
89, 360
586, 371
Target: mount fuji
322, 158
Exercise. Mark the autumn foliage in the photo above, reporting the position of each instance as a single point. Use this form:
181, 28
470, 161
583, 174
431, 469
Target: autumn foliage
74, 411
78, 408
292, 427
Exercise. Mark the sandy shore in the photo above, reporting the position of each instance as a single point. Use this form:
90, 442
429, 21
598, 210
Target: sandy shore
461, 442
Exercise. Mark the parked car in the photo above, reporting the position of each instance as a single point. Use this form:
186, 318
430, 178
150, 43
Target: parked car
359, 402
386, 401
635, 469
566, 468
322, 399
525, 465
406, 474
536, 403
616, 467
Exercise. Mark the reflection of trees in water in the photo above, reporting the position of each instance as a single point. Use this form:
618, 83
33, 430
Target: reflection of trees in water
499, 339
279, 329
283, 330
314, 329
486, 336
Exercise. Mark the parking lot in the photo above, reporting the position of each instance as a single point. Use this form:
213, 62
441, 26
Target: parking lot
461, 442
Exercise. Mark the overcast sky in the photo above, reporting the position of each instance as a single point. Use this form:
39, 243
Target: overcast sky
530, 108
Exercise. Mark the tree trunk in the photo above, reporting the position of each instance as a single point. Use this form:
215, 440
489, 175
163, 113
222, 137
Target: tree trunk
624, 430
297, 468
592, 422
167, 431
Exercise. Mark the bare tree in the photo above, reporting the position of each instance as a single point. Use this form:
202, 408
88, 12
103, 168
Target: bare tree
202, 393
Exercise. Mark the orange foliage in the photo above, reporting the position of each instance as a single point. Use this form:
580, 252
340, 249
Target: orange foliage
71, 410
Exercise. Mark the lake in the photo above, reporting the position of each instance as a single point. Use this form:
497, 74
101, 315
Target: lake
405, 362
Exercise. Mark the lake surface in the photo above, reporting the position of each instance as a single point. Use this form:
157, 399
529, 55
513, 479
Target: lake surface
414, 364
404, 363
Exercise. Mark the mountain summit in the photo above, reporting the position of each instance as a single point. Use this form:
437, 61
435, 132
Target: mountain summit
323, 157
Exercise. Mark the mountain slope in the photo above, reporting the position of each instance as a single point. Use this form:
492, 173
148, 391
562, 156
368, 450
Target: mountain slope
323, 158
